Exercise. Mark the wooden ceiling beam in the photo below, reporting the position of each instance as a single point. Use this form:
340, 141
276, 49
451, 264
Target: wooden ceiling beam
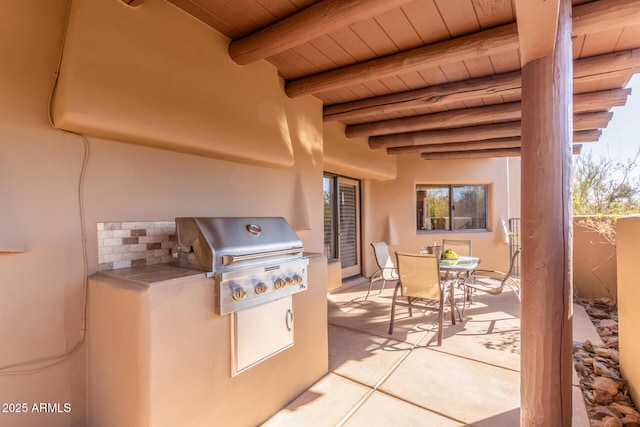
601, 100
586, 121
484, 43
444, 136
584, 70
496, 40
445, 119
309, 23
483, 154
488, 144
587, 135
478, 154
587, 102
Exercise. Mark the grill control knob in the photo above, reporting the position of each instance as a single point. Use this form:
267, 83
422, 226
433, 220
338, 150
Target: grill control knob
279, 284
260, 288
297, 279
238, 294
289, 281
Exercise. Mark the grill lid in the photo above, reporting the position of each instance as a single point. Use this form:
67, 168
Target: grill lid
225, 243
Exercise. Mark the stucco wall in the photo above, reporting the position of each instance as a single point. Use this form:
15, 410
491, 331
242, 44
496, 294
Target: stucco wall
628, 236
395, 200
42, 288
594, 263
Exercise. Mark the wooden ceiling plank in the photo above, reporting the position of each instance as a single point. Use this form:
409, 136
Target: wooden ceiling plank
630, 38
426, 21
588, 69
398, 28
333, 50
311, 22
413, 80
479, 67
352, 44
371, 33
590, 18
493, 12
600, 43
455, 72
458, 16
488, 42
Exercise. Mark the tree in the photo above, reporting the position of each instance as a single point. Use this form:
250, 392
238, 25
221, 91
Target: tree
605, 189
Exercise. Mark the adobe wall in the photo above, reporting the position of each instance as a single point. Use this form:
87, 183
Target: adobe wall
628, 236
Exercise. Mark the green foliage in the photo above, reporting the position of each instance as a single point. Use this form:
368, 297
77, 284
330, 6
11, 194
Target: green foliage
604, 186
603, 190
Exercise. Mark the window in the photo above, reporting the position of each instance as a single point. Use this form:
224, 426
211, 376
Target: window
451, 207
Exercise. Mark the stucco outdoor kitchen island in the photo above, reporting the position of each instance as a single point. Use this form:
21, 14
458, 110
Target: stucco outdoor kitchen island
159, 355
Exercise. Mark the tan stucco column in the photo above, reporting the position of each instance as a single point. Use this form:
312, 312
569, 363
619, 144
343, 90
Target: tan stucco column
547, 233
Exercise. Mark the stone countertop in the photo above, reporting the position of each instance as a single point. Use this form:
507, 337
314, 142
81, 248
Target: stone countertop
148, 275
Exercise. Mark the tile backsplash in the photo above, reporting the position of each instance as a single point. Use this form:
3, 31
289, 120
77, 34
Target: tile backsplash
131, 244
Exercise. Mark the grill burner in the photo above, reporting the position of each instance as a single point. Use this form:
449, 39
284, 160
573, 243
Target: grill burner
252, 260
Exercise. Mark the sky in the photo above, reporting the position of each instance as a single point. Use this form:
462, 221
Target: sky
621, 138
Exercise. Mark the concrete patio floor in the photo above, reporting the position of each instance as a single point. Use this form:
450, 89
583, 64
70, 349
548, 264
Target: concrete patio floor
405, 379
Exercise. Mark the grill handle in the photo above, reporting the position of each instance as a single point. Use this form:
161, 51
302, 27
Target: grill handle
230, 259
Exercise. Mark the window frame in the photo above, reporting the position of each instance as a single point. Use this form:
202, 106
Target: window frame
450, 188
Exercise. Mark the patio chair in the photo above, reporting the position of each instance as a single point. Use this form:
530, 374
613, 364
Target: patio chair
386, 269
460, 247
491, 281
419, 282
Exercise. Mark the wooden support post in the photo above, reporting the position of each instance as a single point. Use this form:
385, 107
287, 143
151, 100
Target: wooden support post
546, 309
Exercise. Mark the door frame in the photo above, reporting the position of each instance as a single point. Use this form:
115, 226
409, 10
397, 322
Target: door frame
355, 269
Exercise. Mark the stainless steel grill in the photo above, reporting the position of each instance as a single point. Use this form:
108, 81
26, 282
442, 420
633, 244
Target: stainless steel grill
252, 260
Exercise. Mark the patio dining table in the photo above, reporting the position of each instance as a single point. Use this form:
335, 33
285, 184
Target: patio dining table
457, 269
459, 265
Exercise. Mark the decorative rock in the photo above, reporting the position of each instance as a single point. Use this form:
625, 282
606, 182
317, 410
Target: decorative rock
599, 372
600, 368
608, 353
606, 384
587, 346
602, 397
596, 313
603, 411
608, 324
626, 410
622, 399
580, 368
611, 422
